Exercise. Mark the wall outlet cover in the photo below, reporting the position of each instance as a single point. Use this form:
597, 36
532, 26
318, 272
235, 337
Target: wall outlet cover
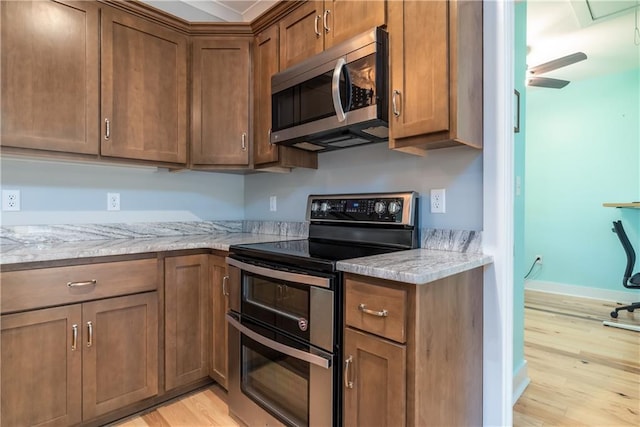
438, 201
113, 201
10, 200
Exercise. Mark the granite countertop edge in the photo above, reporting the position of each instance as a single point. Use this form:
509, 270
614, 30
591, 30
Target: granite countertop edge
416, 266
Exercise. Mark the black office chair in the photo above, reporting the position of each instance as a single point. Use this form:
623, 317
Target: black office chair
629, 281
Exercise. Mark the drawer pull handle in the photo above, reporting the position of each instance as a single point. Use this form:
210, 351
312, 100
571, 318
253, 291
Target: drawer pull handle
82, 284
348, 383
325, 22
107, 129
363, 308
90, 329
316, 26
243, 141
225, 290
74, 341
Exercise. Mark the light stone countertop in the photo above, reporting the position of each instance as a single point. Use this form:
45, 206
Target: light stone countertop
12, 254
416, 266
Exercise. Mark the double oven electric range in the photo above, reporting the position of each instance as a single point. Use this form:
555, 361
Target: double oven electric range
286, 315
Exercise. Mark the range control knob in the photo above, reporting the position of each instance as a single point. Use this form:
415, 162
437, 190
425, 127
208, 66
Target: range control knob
324, 207
380, 207
394, 207
315, 206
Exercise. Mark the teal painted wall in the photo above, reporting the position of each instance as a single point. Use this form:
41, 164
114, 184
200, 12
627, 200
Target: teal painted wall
520, 66
583, 149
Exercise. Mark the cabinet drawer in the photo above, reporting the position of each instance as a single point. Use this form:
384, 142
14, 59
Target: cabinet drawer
377, 309
29, 289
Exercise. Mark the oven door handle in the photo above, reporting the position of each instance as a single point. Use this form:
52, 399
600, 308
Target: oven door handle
305, 279
289, 351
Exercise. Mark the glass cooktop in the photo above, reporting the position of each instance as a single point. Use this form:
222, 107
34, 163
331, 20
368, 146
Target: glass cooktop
310, 254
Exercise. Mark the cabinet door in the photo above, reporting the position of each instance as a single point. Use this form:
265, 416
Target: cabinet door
41, 376
265, 65
376, 369
120, 352
301, 34
220, 306
144, 90
186, 319
220, 102
348, 18
418, 36
50, 75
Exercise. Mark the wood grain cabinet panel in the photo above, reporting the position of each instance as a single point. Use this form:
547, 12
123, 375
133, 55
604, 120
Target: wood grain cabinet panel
50, 76
219, 329
376, 374
220, 102
120, 352
187, 319
319, 25
268, 156
430, 376
144, 89
436, 74
41, 378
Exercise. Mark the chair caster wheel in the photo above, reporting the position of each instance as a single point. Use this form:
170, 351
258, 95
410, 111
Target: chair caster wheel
630, 310
614, 314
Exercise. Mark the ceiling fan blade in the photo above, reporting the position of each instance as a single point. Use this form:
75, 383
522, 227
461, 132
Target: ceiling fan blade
558, 63
547, 82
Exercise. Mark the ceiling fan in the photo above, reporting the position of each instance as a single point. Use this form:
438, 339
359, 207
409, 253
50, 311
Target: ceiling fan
534, 72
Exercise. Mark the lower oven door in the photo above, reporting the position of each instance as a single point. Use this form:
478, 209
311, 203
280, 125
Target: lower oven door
274, 380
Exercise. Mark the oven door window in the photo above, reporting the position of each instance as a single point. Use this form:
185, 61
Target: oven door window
281, 304
277, 382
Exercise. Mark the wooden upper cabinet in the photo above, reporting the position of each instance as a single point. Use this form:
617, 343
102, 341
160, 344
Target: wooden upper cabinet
220, 102
301, 34
436, 74
318, 25
348, 18
41, 378
269, 156
50, 76
144, 90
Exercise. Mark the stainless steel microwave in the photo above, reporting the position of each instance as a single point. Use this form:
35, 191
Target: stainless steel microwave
336, 99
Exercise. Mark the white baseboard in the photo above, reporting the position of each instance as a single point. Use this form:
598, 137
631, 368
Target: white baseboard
623, 296
520, 381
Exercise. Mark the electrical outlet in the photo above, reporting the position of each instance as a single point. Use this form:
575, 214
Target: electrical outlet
10, 200
539, 259
438, 201
113, 201
273, 203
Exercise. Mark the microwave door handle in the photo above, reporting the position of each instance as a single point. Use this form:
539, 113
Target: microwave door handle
335, 90
284, 349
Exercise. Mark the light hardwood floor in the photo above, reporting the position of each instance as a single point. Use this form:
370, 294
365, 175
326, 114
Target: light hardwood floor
582, 373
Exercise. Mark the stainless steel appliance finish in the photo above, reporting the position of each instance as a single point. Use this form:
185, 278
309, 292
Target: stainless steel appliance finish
336, 99
285, 319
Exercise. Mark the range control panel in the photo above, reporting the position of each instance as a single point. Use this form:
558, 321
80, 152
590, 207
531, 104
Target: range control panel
396, 208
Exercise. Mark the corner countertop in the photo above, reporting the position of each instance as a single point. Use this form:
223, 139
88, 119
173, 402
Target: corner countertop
37, 252
416, 266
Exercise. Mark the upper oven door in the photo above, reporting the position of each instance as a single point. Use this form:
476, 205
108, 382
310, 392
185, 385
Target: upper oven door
299, 304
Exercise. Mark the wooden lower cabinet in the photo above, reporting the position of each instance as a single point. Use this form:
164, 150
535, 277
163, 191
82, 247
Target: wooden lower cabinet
120, 352
376, 375
219, 305
187, 315
431, 377
41, 378
68, 364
